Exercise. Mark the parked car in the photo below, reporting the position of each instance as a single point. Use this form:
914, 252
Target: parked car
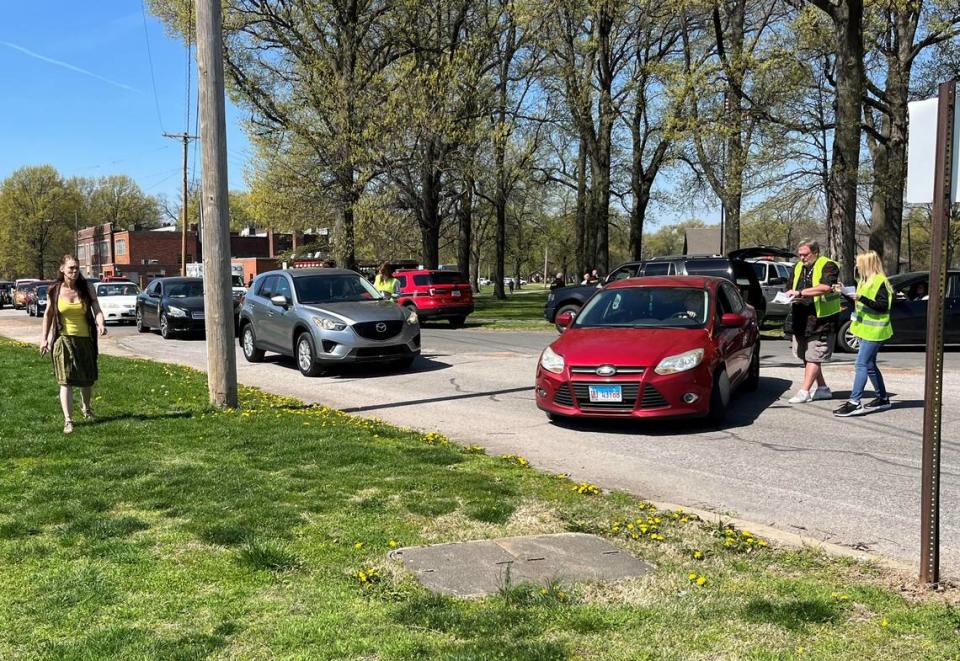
118, 300
36, 302
652, 347
172, 305
6, 293
436, 294
774, 277
733, 267
21, 288
908, 314
325, 317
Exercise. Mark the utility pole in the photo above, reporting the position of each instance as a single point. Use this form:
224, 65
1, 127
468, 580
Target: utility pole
217, 291
186, 138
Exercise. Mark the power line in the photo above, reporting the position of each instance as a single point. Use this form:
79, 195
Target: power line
146, 36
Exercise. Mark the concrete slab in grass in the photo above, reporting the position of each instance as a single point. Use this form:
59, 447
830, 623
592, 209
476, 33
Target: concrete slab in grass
479, 568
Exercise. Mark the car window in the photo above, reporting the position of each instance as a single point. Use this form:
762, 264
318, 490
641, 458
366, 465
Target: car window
761, 270
658, 268
785, 272
116, 290
267, 286
159, 289
403, 281
446, 278
184, 289
646, 307
719, 267
729, 299
313, 289
282, 288
622, 273
913, 290
953, 286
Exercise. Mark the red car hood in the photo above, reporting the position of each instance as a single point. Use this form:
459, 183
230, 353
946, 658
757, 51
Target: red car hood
628, 347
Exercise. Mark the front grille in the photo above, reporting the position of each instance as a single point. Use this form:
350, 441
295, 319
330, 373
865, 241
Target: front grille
629, 390
371, 352
592, 369
652, 399
369, 330
563, 397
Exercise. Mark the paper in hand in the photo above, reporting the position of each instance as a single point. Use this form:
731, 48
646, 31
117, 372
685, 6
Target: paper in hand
849, 291
782, 298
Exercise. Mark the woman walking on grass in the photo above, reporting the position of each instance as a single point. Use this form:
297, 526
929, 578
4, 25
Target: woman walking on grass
871, 324
71, 324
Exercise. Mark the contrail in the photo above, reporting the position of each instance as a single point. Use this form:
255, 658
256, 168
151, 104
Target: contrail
68, 66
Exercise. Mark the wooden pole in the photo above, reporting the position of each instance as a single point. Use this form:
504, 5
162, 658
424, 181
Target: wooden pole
217, 291
933, 390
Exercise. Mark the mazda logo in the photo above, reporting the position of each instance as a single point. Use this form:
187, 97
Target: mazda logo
606, 370
381, 327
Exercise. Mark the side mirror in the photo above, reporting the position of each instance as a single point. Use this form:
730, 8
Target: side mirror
280, 301
564, 319
733, 320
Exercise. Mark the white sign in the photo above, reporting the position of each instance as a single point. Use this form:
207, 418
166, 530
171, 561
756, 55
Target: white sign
922, 150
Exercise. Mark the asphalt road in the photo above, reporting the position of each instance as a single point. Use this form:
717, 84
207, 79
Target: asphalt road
854, 482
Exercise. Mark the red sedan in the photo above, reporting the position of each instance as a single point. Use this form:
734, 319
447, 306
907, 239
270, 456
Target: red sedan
652, 347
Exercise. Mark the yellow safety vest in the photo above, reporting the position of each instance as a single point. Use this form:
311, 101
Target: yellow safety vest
866, 323
827, 304
389, 286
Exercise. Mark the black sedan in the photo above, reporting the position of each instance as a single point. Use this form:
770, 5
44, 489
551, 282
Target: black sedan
909, 312
173, 305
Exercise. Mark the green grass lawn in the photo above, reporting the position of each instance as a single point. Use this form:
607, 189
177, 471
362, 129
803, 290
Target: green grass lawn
523, 309
166, 530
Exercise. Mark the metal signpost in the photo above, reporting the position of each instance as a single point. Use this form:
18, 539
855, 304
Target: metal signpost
943, 195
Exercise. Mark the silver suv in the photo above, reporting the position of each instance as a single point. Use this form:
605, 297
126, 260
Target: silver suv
324, 317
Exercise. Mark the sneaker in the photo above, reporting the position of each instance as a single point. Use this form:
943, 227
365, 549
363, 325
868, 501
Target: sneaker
879, 404
850, 409
802, 397
68, 427
823, 392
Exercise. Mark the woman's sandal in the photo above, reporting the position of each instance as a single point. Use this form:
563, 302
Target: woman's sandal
88, 415
68, 427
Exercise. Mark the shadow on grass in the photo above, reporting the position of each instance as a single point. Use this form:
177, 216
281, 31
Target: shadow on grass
139, 417
793, 614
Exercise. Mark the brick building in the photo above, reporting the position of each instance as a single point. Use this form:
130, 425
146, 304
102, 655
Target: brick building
141, 255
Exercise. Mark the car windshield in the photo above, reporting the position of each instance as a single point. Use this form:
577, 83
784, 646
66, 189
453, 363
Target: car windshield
117, 290
440, 278
184, 289
760, 269
646, 307
42, 291
237, 280
313, 289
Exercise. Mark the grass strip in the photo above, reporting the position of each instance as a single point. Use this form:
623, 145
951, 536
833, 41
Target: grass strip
166, 529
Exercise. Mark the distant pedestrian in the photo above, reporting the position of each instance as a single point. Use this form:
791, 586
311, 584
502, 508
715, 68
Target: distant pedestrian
385, 283
815, 312
71, 324
870, 322
586, 278
594, 276
558, 282
250, 281
510, 284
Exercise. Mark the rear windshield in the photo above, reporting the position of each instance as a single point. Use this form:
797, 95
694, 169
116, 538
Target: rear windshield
184, 289
716, 267
313, 289
440, 278
116, 290
646, 307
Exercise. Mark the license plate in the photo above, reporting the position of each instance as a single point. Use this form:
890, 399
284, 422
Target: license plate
605, 394
455, 293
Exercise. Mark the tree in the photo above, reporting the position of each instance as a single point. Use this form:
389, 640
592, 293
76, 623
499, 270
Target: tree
36, 217
117, 199
668, 240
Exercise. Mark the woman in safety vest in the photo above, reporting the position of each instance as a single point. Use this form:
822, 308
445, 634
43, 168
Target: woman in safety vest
870, 322
385, 283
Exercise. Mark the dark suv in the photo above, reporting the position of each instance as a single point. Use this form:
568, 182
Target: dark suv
733, 267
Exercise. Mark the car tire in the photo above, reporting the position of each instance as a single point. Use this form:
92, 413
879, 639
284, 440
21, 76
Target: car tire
719, 396
306, 356
847, 342
165, 331
141, 327
249, 344
458, 322
566, 308
752, 381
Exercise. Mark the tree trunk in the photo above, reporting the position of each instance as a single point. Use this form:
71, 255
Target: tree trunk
582, 204
842, 197
429, 208
465, 236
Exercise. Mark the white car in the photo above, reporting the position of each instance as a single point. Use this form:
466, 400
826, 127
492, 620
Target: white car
485, 281
118, 300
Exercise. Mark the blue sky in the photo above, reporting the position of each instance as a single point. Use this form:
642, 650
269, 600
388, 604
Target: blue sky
78, 94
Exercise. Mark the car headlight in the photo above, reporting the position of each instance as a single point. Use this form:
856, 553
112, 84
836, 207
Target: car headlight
325, 323
551, 361
174, 311
412, 317
680, 363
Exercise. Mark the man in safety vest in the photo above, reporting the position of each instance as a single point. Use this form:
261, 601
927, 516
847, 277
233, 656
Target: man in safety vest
815, 311
385, 283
